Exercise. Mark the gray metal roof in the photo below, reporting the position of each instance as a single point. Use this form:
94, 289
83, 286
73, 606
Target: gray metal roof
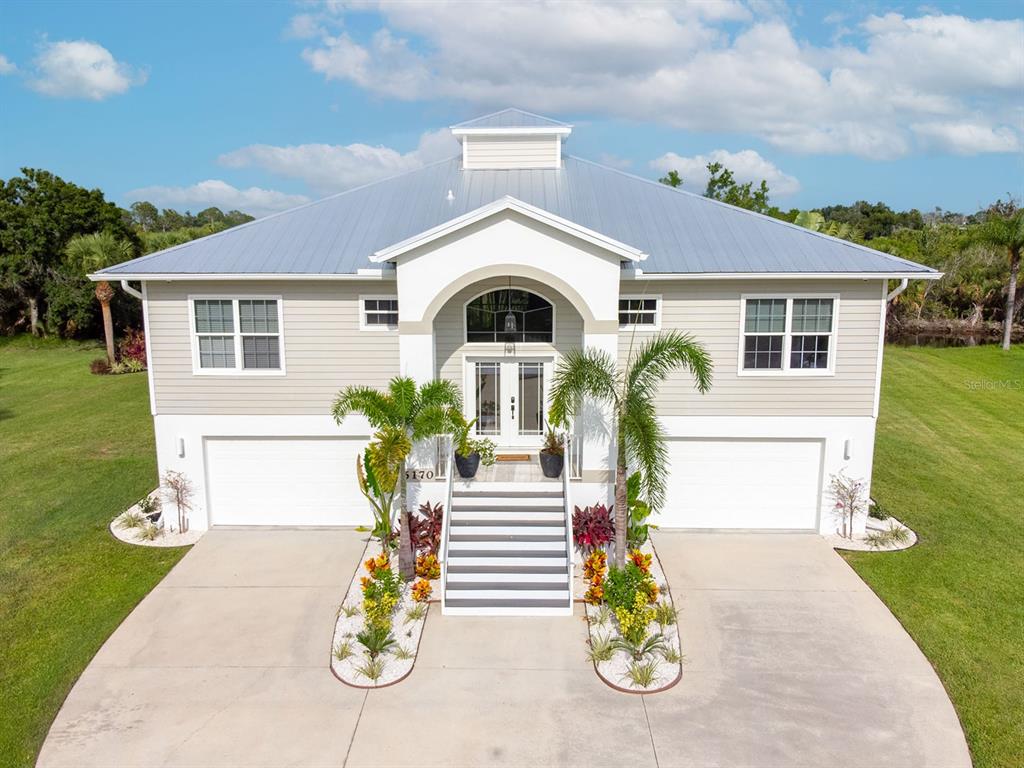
512, 118
680, 232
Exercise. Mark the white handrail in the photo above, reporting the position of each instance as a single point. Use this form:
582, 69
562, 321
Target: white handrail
446, 517
570, 547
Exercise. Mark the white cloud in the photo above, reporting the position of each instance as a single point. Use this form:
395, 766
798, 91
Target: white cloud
966, 138
746, 165
712, 67
7, 66
80, 69
214, 192
330, 168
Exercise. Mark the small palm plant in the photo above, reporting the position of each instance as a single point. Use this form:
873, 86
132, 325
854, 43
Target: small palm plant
630, 391
401, 415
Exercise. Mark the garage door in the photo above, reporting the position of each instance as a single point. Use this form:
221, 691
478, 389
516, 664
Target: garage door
293, 481
743, 484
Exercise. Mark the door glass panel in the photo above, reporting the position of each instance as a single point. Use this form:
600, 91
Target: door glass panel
488, 398
531, 398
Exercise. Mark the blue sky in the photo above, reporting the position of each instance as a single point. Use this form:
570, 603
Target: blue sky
263, 106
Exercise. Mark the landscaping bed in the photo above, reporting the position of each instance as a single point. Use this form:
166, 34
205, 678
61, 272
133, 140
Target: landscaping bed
633, 623
888, 535
137, 526
381, 619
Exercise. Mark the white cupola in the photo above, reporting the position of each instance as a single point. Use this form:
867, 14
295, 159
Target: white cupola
511, 139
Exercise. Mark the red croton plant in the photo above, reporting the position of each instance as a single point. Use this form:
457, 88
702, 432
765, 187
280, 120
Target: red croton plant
592, 528
425, 529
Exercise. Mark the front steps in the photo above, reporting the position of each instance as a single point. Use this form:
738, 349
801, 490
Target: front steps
507, 551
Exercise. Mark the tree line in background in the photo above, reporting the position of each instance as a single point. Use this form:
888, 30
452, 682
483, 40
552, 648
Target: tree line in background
979, 253
53, 233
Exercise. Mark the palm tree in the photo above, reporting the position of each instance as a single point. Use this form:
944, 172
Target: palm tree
1004, 228
593, 373
402, 415
96, 251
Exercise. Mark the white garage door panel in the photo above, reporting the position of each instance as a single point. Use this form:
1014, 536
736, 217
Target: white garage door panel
293, 481
743, 484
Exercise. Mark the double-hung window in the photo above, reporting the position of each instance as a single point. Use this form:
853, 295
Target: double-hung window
378, 313
788, 334
639, 312
237, 335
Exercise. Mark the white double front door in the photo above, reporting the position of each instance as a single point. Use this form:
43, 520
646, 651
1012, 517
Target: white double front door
508, 398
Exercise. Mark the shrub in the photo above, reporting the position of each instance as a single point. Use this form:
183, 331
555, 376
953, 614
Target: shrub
593, 571
623, 584
425, 531
640, 649
427, 567
99, 366
150, 506
665, 614
381, 591
343, 650
150, 532
642, 674
602, 648
421, 591
371, 669
376, 640
416, 613
877, 511
132, 347
592, 528
634, 619
641, 560
637, 530
131, 520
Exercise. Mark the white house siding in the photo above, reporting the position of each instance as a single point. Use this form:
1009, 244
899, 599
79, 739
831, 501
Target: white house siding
710, 311
511, 152
450, 328
324, 349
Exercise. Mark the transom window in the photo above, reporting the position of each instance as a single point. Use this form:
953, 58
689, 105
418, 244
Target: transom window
237, 335
379, 312
638, 311
510, 315
788, 334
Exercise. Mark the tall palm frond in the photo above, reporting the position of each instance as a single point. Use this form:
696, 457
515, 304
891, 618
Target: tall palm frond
376, 406
659, 356
441, 392
404, 396
645, 448
101, 249
582, 373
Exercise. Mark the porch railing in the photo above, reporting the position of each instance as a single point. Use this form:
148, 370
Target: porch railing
574, 455
570, 548
446, 513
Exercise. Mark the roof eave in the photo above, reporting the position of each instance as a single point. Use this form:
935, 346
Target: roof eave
514, 204
528, 130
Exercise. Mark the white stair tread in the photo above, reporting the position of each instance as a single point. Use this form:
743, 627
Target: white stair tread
527, 515
499, 560
454, 547
505, 501
507, 594
494, 576
502, 611
507, 530
506, 487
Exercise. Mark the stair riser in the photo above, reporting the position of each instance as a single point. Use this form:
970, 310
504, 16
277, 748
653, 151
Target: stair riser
499, 596
460, 532
497, 560
505, 502
518, 488
456, 546
525, 516
510, 576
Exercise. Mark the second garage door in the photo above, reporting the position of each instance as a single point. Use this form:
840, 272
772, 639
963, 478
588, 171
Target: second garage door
284, 481
757, 484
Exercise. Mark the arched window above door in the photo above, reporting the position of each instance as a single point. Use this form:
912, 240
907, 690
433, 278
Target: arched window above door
510, 315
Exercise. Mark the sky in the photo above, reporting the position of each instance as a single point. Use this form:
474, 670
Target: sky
264, 106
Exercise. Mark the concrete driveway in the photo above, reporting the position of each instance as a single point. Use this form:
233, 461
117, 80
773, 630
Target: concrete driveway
791, 661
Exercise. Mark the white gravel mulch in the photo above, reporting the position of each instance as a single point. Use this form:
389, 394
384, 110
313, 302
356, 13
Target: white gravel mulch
614, 671
407, 631
861, 543
168, 536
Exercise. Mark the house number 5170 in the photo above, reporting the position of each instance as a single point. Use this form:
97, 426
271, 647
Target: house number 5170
419, 474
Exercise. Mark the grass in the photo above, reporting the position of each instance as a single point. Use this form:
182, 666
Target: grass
75, 449
949, 462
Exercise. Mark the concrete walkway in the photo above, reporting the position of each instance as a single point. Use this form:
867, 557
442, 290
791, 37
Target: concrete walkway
791, 661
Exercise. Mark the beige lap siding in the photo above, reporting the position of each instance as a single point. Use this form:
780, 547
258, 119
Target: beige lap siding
450, 328
324, 349
710, 310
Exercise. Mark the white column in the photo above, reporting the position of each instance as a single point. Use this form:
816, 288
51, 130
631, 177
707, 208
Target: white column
416, 356
595, 423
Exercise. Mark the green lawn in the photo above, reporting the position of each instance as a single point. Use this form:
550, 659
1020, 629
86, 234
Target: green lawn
949, 461
74, 449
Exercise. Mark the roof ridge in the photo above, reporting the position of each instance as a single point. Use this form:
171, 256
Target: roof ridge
310, 204
510, 109
747, 211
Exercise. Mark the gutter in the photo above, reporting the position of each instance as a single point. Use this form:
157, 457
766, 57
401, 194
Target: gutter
897, 290
131, 291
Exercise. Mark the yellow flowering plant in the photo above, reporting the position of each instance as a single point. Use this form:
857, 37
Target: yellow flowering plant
634, 621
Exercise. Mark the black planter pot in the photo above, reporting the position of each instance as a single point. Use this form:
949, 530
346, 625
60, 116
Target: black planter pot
467, 465
154, 517
551, 464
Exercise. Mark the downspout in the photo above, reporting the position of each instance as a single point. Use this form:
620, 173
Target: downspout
138, 294
888, 299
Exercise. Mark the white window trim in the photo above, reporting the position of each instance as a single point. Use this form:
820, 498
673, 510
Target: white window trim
642, 326
363, 325
532, 345
238, 370
787, 337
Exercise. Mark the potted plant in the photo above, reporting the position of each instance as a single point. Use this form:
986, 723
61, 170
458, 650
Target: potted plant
552, 454
151, 508
470, 453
